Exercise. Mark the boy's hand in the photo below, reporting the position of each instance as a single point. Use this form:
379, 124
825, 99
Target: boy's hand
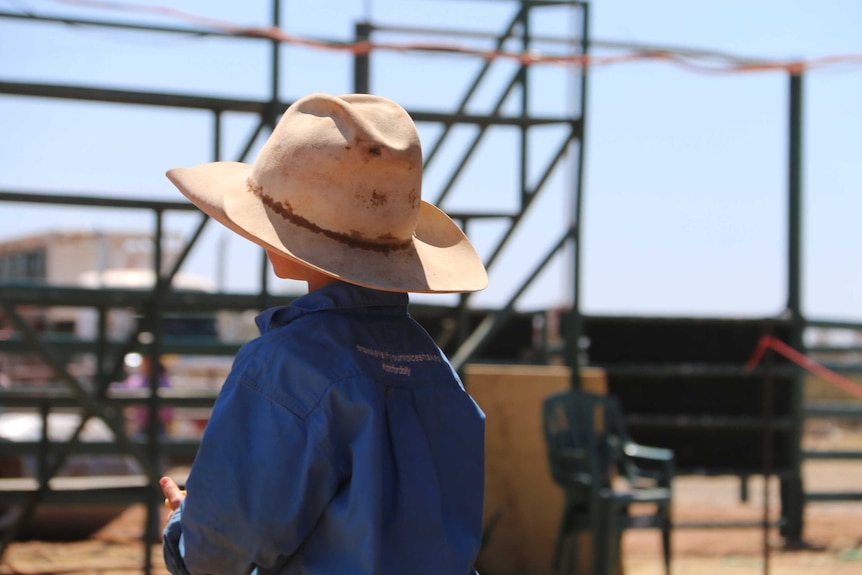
173, 494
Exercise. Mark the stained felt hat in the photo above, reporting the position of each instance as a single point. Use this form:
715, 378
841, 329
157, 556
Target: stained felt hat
337, 186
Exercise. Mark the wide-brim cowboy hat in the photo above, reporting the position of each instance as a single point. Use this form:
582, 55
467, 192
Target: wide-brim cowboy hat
337, 187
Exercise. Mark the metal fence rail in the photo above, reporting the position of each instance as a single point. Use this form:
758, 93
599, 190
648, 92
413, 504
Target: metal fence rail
91, 396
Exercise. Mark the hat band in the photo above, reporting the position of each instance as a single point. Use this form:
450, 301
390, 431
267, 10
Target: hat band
283, 209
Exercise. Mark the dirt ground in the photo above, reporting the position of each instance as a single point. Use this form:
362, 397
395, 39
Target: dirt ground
834, 529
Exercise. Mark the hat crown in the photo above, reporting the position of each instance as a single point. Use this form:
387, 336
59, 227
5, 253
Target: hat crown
337, 187
349, 167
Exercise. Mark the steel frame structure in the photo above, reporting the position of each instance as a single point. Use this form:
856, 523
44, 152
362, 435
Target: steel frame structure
97, 402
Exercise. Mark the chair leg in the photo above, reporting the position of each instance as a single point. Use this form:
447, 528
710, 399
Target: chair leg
665, 542
558, 553
572, 567
561, 542
565, 553
568, 555
599, 533
614, 536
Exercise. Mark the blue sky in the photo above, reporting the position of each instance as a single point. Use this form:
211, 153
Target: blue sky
685, 175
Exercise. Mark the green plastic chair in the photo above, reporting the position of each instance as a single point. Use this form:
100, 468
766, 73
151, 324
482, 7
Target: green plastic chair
603, 473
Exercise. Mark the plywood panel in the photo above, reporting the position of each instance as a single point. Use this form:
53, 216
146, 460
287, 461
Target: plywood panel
522, 503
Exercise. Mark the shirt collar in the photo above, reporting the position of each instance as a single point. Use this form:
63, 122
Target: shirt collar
338, 295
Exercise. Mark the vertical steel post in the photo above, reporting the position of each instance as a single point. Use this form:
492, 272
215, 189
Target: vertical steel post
768, 440
276, 62
794, 252
216, 135
271, 120
792, 493
524, 80
362, 62
153, 320
44, 443
102, 382
222, 245
264, 280
575, 327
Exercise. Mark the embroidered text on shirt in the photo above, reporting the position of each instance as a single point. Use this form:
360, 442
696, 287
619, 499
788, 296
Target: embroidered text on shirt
392, 358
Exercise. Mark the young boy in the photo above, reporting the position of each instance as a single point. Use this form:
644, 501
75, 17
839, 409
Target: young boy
342, 441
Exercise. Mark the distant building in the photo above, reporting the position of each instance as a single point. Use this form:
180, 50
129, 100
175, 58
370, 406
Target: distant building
91, 259
60, 257
75, 258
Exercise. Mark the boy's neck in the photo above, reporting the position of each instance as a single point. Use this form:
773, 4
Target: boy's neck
317, 280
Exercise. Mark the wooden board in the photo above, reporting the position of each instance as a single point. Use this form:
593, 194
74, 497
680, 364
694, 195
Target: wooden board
523, 505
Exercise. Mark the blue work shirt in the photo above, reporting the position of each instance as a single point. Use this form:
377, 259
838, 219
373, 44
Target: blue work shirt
342, 442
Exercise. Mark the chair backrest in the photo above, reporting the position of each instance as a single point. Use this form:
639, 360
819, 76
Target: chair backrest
578, 422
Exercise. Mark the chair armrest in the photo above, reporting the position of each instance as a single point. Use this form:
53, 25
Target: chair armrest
662, 461
647, 452
565, 462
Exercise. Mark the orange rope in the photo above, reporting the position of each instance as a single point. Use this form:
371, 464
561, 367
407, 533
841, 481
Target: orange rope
527, 58
804, 362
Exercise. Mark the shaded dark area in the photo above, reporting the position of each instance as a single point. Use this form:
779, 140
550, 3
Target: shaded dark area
683, 384
661, 341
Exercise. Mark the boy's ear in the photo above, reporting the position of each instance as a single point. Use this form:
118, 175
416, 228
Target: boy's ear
287, 268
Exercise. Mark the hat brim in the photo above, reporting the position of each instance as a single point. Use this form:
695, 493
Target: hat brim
440, 258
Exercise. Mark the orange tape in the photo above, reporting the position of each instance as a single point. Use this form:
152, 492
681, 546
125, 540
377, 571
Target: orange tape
530, 57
